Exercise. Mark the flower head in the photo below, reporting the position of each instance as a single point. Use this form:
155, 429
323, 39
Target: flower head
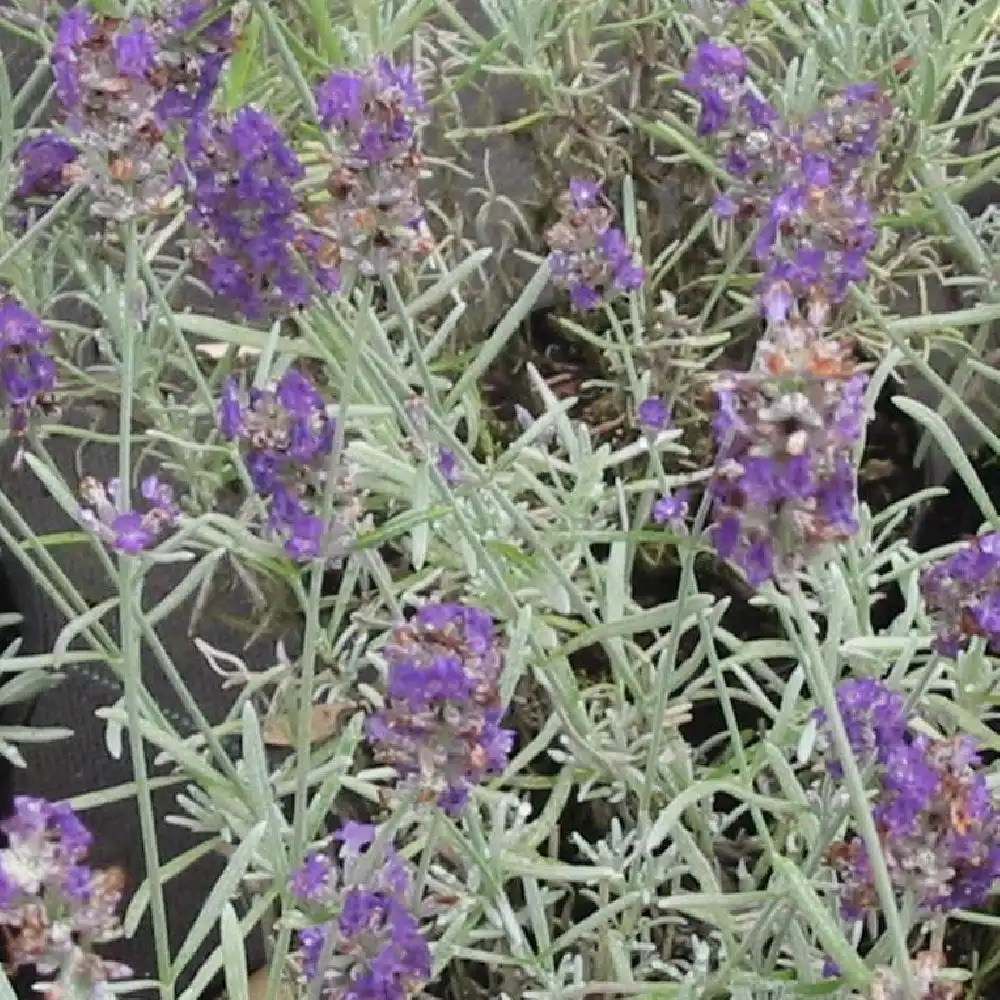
53, 907
123, 86
377, 949
288, 439
441, 724
27, 370
127, 530
807, 182
589, 256
936, 817
785, 484
874, 716
249, 218
963, 593
372, 217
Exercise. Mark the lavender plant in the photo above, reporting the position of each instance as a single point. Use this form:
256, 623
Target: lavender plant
545, 450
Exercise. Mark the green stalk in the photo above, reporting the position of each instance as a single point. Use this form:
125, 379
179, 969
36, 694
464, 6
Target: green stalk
130, 591
310, 644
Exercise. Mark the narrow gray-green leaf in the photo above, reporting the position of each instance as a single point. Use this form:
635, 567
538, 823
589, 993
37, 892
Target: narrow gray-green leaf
832, 938
949, 444
222, 892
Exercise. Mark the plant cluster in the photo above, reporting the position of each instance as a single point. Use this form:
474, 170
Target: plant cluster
604, 674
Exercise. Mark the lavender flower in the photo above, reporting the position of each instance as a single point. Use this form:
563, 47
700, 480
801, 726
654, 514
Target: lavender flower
937, 821
807, 182
243, 175
289, 439
785, 484
54, 909
123, 86
447, 464
590, 257
46, 166
963, 591
653, 415
27, 372
717, 75
874, 717
441, 724
374, 112
245, 206
128, 531
928, 982
671, 509
369, 945
372, 219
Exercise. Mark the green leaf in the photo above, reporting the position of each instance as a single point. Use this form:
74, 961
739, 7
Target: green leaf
27, 685
233, 954
119, 793
826, 928
199, 987
6, 990
79, 624
227, 886
210, 328
255, 765
949, 444
321, 14
193, 579
169, 870
671, 815
420, 536
243, 63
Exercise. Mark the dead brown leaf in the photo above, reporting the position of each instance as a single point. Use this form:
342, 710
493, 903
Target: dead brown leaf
323, 723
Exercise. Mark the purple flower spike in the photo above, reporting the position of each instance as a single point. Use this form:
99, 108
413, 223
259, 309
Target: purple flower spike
806, 182
377, 949
441, 726
936, 817
874, 717
288, 439
53, 908
374, 221
963, 593
123, 85
27, 372
785, 484
590, 257
249, 216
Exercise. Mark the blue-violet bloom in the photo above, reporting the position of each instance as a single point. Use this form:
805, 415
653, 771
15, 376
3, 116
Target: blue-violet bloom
441, 724
590, 256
